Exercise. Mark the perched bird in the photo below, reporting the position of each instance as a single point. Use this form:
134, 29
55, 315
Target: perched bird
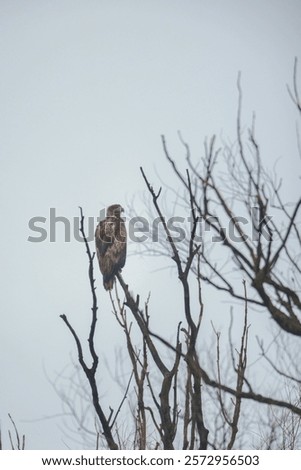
110, 241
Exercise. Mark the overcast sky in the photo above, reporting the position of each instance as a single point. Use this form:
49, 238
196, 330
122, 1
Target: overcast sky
87, 88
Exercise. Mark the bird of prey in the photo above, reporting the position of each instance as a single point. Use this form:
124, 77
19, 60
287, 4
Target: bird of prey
110, 241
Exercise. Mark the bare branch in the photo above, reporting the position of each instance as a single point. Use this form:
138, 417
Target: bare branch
295, 93
91, 371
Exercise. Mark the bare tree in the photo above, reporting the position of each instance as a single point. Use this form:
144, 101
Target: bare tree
182, 402
17, 442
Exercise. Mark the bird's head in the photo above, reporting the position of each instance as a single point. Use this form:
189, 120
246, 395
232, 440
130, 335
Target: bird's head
114, 210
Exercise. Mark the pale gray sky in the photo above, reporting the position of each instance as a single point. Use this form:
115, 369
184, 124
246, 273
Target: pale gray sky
87, 88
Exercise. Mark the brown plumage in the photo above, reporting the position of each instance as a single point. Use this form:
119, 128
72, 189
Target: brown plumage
110, 241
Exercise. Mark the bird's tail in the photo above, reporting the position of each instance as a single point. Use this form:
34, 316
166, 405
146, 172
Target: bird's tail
108, 283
